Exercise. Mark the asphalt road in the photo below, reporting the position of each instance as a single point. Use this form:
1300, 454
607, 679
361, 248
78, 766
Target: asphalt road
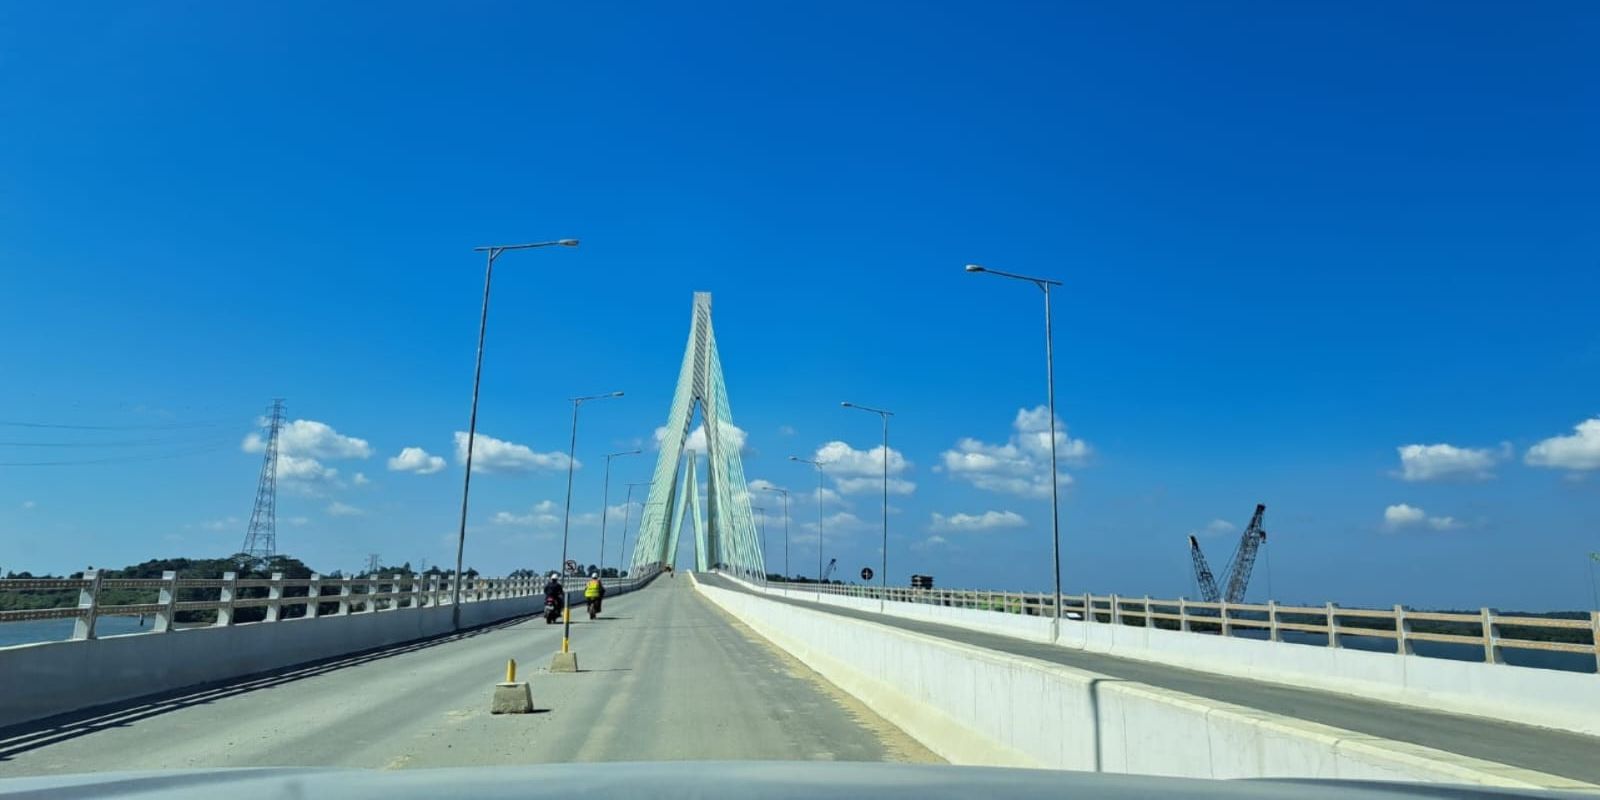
665, 676
1569, 755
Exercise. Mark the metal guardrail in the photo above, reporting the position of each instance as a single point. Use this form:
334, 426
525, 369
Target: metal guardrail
359, 595
1229, 619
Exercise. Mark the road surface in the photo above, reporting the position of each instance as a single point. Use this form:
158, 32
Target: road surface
1555, 752
666, 676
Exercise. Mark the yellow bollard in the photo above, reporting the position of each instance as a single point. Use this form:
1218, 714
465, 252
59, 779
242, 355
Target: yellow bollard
511, 670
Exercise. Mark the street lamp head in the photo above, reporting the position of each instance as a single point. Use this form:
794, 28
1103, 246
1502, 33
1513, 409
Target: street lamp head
568, 242
848, 405
794, 458
975, 268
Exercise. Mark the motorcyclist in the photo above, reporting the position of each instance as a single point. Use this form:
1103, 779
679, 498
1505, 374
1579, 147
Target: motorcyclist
553, 590
594, 591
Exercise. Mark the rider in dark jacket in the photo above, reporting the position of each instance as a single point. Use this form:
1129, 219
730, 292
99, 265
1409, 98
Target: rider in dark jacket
554, 590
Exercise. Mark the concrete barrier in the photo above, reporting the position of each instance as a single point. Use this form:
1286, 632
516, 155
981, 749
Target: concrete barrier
50, 678
973, 706
1546, 698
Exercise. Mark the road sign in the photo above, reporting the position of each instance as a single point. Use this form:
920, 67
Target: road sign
866, 573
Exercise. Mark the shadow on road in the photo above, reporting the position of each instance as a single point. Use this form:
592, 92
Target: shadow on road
43, 733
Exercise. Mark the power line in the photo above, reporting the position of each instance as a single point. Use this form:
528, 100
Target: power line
119, 443
116, 459
56, 426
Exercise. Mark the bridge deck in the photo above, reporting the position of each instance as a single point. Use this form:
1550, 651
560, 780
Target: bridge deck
1556, 752
667, 676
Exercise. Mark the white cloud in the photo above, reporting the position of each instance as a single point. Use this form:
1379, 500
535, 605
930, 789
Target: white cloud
797, 497
930, 543
1402, 515
360, 479
338, 509
987, 521
1433, 462
1021, 466
1215, 527
312, 439
497, 455
29, 504
418, 460
696, 441
305, 470
301, 444
1581, 450
857, 471
224, 524
786, 430
545, 515
840, 522
298, 522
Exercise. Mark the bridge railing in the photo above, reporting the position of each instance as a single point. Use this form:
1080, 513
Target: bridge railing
283, 598
1487, 630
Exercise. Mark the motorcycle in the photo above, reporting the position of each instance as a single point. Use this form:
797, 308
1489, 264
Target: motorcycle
552, 610
594, 607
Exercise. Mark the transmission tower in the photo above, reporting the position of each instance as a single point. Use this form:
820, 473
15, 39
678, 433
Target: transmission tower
261, 540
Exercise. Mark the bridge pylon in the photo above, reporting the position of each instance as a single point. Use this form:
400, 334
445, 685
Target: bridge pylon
727, 536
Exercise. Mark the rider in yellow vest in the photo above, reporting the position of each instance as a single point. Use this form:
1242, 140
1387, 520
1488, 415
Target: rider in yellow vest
594, 590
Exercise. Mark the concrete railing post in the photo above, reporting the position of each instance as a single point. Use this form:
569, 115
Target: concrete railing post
1183, 615
372, 593
1594, 626
1272, 622
313, 595
88, 606
275, 597
167, 617
1222, 614
226, 597
1333, 625
1491, 639
1402, 631
1116, 608
346, 589
395, 603
416, 591
1149, 621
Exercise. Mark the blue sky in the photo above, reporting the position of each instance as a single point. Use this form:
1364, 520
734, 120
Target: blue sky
1294, 240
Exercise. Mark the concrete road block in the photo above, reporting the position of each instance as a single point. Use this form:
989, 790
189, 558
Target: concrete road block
564, 662
511, 698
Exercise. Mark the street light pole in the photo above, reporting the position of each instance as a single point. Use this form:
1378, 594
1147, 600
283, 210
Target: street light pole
566, 522
884, 567
605, 505
763, 537
785, 493
1044, 285
818, 465
627, 514
492, 253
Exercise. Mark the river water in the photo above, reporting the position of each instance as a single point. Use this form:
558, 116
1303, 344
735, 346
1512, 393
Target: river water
55, 630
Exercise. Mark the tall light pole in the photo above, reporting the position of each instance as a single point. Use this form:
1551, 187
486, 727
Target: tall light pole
627, 513
883, 577
605, 505
785, 493
1044, 285
493, 253
818, 465
566, 522
763, 537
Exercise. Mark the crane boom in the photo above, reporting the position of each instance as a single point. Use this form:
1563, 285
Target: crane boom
1244, 560
828, 573
1202, 573
1237, 575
